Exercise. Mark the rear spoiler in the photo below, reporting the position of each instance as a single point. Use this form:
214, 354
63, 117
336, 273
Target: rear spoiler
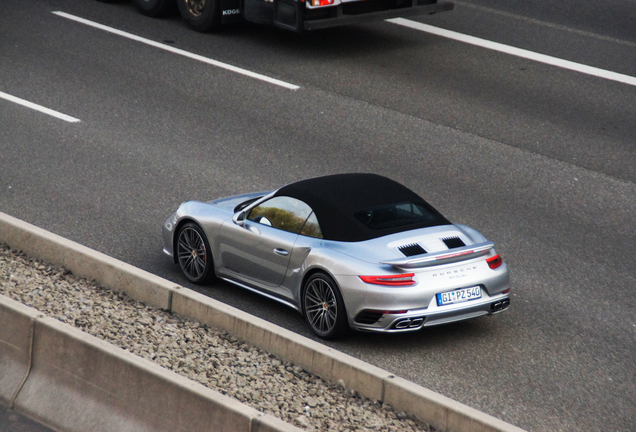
443, 257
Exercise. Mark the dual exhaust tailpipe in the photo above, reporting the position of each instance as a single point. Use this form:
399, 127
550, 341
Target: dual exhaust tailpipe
409, 323
500, 306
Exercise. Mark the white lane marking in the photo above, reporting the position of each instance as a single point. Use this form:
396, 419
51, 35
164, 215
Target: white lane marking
179, 51
530, 55
37, 107
545, 24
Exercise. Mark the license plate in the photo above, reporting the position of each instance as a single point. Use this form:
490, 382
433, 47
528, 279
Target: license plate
458, 296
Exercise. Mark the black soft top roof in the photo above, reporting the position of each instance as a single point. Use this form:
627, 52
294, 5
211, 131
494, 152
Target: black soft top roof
335, 198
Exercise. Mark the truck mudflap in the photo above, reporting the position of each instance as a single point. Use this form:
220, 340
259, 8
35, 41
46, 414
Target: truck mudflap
419, 7
231, 11
288, 14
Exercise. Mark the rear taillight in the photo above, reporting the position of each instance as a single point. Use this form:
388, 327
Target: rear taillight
393, 280
322, 2
494, 262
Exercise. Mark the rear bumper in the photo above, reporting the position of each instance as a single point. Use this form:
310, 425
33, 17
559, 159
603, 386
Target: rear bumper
345, 19
379, 308
416, 319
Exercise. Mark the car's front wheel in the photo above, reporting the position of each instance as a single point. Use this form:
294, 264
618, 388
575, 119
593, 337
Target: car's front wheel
193, 254
201, 15
323, 307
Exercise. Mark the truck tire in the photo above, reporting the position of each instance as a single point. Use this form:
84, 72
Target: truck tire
201, 15
154, 8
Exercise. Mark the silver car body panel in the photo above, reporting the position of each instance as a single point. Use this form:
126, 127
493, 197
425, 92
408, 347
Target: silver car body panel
276, 263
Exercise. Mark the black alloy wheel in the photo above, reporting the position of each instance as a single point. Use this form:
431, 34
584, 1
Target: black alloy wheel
323, 307
193, 254
201, 15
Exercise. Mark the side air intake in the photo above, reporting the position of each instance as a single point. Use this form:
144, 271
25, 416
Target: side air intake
412, 249
453, 242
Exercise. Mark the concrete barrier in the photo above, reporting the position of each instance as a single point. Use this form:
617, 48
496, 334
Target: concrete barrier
441, 412
85, 262
316, 358
16, 329
78, 383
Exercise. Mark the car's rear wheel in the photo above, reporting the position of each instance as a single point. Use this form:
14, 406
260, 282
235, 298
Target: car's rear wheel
201, 15
193, 254
323, 307
154, 8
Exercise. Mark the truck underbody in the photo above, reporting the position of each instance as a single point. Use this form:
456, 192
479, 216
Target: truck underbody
295, 15
298, 15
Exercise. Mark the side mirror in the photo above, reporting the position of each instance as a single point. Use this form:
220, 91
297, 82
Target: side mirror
263, 221
239, 218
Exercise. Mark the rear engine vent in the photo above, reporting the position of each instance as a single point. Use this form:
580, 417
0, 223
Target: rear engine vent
453, 242
412, 249
369, 317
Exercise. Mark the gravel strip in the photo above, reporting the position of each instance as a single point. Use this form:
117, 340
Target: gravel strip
201, 353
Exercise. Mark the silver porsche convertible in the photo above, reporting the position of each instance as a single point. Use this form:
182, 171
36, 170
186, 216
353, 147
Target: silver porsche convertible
347, 251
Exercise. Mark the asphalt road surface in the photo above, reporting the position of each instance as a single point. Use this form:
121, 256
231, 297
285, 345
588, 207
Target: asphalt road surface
537, 157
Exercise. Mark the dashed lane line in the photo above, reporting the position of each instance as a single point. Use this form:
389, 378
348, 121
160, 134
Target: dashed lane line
178, 51
39, 108
530, 55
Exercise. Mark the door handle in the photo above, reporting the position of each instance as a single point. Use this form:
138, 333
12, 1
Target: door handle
281, 252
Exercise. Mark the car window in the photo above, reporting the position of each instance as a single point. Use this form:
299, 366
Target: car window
311, 227
394, 215
285, 213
